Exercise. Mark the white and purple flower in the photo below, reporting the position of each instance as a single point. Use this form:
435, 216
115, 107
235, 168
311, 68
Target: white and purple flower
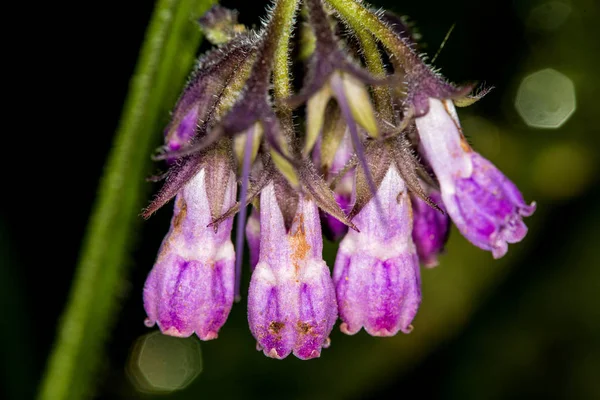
376, 272
487, 208
291, 300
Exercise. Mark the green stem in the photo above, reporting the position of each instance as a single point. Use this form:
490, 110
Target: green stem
381, 94
282, 86
283, 23
355, 13
165, 59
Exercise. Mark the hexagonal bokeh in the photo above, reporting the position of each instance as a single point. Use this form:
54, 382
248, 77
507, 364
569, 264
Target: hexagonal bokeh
546, 99
161, 364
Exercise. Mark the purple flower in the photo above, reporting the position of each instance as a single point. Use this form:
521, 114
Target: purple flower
430, 228
376, 271
183, 131
253, 237
196, 108
291, 301
190, 288
486, 207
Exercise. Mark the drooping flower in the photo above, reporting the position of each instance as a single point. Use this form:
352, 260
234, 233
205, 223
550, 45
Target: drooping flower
487, 208
376, 271
291, 300
190, 288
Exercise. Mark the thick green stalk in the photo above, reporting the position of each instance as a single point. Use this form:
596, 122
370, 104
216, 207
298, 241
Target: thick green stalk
165, 59
355, 13
282, 85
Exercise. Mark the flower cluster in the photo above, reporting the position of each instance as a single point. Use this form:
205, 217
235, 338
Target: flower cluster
382, 165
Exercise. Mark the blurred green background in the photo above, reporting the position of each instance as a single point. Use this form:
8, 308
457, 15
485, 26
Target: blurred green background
527, 325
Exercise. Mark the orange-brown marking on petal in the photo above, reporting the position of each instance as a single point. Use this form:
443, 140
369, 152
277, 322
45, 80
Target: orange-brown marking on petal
275, 327
182, 206
298, 243
463, 141
464, 144
304, 327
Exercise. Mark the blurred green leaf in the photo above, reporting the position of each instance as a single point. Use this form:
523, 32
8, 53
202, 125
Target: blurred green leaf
167, 54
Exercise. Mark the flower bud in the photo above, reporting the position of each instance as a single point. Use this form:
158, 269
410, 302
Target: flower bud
183, 131
253, 237
430, 228
190, 288
376, 272
291, 301
487, 208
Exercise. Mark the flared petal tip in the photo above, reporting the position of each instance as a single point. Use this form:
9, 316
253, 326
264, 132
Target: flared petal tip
430, 262
172, 331
208, 335
389, 332
499, 250
527, 211
346, 329
408, 329
149, 322
273, 354
274, 350
308, 355
384, 332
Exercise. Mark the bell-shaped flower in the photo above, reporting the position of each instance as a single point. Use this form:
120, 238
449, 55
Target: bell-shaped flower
190, 288
376, 272
291, 300
487, 208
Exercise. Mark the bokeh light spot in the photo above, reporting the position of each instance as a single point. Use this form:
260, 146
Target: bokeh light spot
162, 364
563, 170
546, 99
548, 16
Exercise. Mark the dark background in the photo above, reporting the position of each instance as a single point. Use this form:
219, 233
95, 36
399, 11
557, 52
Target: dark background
524, 326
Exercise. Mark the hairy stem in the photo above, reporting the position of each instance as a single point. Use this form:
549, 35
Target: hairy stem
357, 14
282, 85
381, 94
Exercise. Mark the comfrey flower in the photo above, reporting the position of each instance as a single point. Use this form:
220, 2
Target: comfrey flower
382, 166
291, 300
190, 288
486, 207
376, 271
